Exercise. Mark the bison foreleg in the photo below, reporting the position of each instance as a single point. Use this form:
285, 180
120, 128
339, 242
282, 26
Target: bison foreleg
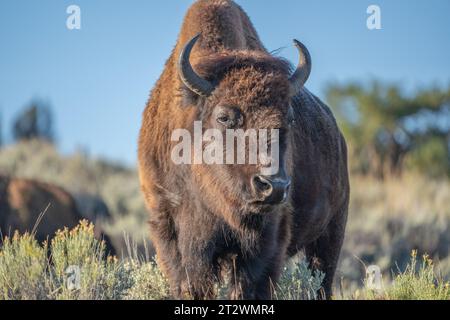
242, 281
252, 279
200, 275
323, 254
165, 241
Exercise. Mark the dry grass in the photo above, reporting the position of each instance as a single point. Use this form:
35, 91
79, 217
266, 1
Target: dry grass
388, 219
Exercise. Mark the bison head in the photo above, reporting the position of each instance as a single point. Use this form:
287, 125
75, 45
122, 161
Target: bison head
244, 91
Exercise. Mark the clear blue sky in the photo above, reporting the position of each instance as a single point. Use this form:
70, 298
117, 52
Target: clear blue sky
98, 78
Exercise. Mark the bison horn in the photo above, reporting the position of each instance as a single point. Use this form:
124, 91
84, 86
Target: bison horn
303, 70
191, 79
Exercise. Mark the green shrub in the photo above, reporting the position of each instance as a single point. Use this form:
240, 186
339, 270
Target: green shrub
23, 266
298, 282
27, 273
148, 283
80, 249
416, 282
31, 271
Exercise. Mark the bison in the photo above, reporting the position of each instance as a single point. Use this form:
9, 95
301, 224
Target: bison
33, 206
207, 218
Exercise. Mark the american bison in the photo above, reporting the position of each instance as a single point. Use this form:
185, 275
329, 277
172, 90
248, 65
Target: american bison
207, 218
38, 207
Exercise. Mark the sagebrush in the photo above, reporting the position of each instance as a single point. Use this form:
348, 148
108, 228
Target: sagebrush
29, 270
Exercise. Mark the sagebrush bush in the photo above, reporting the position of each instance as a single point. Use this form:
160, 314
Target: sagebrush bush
148, 283
31, 271
79, 248
298, 282
419, 281
23, 264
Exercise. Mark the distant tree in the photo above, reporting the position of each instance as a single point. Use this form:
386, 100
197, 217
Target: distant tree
384, 126
35, 122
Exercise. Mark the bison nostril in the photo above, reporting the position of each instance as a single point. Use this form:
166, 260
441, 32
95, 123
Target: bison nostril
262, 185
270, 191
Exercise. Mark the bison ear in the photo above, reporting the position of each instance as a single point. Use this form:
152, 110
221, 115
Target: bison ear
303, 70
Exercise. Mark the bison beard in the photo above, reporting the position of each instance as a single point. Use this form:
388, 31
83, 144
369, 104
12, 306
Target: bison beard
207, 221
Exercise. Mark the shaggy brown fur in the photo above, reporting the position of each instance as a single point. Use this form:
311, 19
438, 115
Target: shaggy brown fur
202, 218
22, 202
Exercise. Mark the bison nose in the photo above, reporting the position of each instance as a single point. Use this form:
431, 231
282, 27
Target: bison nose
270, 191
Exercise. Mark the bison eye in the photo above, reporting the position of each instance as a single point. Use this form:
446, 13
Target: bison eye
228, 117
223, 119
227, 121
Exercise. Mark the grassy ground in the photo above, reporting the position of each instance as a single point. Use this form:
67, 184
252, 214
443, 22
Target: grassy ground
73, 266
387, 221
